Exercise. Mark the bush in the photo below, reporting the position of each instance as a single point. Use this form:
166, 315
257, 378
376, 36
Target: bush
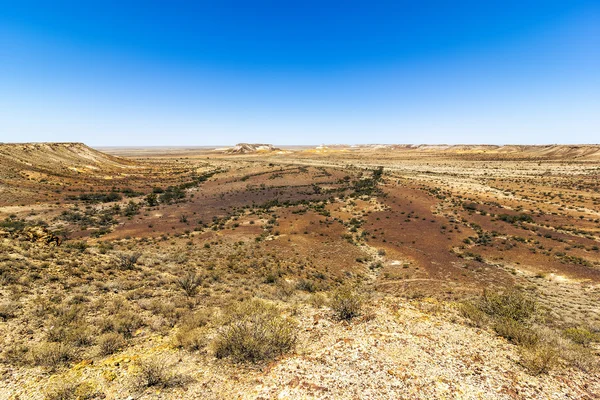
111, 343
515, 218
189, 283
71, 389
191, 334
581, 335
472, 311
159, 372
127, 261
539, 359
346, 303
125, 323
52, 354
8, 310
580, 357
516, 332
511, 304
254, 331
306, 285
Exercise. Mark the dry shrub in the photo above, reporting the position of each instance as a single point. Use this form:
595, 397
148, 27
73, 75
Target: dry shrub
191, 334
191, 340
52, 354
125, 323
346, 303
165, 308
318, 300
15, 353
580, 357
307, 285
110, 343
473, 313
80, 335
574, 354
77, 333
127, 261
8, 310
510, 313
539, 359
159, 372
189, 283
284, 289
67, 388
254, 331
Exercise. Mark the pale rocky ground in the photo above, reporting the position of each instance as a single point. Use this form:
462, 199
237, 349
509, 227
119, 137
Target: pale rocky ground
399, 349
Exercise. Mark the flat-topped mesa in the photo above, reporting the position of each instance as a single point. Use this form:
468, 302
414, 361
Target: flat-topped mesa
249, 148
566, 152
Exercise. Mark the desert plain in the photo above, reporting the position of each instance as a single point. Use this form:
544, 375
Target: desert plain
329, 272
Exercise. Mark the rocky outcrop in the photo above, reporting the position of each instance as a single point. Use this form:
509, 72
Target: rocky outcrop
39, 234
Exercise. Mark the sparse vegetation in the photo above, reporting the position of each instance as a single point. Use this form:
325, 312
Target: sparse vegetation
271, 263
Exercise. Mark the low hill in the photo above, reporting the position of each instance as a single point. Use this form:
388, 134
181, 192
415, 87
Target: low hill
55, 158
27, 167
251, 148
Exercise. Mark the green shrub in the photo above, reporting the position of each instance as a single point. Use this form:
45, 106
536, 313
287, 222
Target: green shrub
581, 335
516, 332
254, 331
511, 304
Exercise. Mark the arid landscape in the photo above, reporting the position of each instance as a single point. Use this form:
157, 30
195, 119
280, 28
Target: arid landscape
331, 272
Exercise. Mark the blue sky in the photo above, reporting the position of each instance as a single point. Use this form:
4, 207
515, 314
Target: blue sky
307, 72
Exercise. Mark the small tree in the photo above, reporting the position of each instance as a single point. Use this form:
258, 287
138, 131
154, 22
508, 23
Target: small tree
152, 200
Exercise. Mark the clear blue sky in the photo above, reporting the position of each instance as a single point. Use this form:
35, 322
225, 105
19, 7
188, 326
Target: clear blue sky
306, 72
